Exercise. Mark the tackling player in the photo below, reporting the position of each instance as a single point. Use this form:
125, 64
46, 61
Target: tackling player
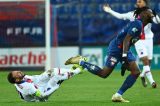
38, 88
144, 47
118, 51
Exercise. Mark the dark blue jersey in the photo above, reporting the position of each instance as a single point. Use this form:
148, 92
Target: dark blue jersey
115, 48
133, 29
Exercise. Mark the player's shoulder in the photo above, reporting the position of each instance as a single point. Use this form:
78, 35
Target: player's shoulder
137, 23
22, 86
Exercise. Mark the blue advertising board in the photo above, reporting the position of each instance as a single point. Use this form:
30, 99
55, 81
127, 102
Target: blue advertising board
20, 33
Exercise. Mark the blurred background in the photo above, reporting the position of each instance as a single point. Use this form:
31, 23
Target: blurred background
97, 27
77, 27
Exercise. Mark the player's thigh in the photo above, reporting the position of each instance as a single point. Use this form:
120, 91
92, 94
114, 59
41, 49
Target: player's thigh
133, 67
149, 47
141, 49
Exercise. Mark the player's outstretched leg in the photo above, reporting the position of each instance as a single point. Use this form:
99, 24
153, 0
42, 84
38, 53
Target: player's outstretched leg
75, 60
94, 69
75, 66
82, 61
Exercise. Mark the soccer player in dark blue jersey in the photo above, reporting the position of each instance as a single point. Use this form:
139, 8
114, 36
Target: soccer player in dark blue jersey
118, 51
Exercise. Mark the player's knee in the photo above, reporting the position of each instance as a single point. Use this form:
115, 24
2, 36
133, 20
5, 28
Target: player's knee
104, 74
135, 73
145, 60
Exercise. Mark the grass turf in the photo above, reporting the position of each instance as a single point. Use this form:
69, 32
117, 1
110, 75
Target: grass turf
86, 90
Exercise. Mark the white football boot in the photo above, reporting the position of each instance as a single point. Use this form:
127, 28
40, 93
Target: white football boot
118, 98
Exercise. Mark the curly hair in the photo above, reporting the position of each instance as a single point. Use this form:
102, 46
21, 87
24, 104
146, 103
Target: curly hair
147, 15
138, 11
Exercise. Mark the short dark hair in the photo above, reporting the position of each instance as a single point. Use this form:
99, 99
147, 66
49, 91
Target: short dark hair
10, 78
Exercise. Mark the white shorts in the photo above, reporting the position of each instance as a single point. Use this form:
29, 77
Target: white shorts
144, 48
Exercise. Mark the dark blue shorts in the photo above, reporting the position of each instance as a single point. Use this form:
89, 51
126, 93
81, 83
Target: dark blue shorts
114, 58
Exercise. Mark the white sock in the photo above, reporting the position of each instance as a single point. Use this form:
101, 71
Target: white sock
145, 68
142, 73
148, 73
76, 71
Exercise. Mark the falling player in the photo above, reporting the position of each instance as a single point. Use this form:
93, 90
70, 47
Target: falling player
38, 88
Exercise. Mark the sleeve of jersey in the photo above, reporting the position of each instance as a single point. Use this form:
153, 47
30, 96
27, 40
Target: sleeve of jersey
31, 90
133, 29
124, 16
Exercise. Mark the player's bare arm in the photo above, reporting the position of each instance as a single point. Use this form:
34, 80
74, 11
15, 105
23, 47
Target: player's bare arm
126, 44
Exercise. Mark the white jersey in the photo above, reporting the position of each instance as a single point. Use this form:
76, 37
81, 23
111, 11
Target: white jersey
27, 91
31, 84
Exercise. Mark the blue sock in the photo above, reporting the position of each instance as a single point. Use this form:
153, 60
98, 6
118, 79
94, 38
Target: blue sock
90, 67
130, 80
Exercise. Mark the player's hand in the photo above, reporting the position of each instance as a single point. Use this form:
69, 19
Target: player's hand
124, 66
154, 12
106, 8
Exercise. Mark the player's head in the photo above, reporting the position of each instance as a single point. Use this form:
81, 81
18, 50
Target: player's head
15, 76
142, 3
146, 16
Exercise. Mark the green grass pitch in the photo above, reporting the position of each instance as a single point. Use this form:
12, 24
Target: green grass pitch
87, 90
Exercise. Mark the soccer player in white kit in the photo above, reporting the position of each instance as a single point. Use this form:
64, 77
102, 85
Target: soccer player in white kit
144, 47
37, 88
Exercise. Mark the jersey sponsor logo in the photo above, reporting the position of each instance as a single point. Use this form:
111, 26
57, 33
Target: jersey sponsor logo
134, 30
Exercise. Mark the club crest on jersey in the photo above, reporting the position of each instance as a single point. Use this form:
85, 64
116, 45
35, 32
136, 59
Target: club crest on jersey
134, 30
